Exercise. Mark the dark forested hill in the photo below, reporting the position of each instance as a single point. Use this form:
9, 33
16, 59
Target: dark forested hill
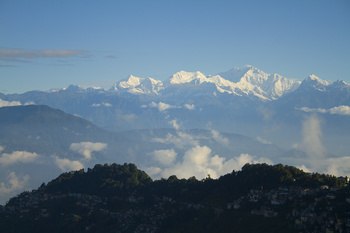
122, 198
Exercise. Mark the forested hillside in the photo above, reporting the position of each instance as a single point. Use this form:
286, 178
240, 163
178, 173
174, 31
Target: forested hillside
122, 198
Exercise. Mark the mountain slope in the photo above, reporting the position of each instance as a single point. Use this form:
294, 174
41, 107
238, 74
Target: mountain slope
43, 129
314, 92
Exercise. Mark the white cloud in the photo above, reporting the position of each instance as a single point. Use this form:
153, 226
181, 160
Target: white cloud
152, 171
312, 144
195, 163
304, 168
86, 148
190, 106
334, 166
165, 157
316, 155
175, 124
68, 165
102, 104
340, 110
338, 166
238, 162
180, 140
17, 156
219, 138
162, 107
199, 162
4, 103
14, 183
263, 141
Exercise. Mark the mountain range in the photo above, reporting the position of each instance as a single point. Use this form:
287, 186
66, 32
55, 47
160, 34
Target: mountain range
190, 124
242, 100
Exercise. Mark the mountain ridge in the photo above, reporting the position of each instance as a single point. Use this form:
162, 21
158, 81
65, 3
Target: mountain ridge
248, 81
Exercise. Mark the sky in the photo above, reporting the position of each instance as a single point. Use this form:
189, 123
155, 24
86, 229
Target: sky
52, 44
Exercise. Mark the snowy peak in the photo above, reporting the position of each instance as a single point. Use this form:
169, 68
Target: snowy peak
248, 82
235, 74
314, 82
254, 82
184, 77
77, 88
131, 81
136, 85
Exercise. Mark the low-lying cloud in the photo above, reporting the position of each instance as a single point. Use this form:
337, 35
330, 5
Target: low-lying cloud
340, 110
164, 157
86, 148
180, 140
102, 104
162, 107
219, 137
68, 165
316, 154
190, 106
4, 103
312, 139
17, 157
13, 183
175, 124
198, 161
263, 141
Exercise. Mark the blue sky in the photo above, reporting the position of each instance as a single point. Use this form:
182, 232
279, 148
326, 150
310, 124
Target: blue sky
51, 44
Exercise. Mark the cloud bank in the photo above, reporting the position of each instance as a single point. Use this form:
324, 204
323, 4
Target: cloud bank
198, 161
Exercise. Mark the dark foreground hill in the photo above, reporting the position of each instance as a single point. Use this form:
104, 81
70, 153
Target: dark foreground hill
121, 198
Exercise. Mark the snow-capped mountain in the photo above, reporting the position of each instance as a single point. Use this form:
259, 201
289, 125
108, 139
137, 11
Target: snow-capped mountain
79, 89
314, 92
247, 81
252, 81
194, 100
135, 85
312, 82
